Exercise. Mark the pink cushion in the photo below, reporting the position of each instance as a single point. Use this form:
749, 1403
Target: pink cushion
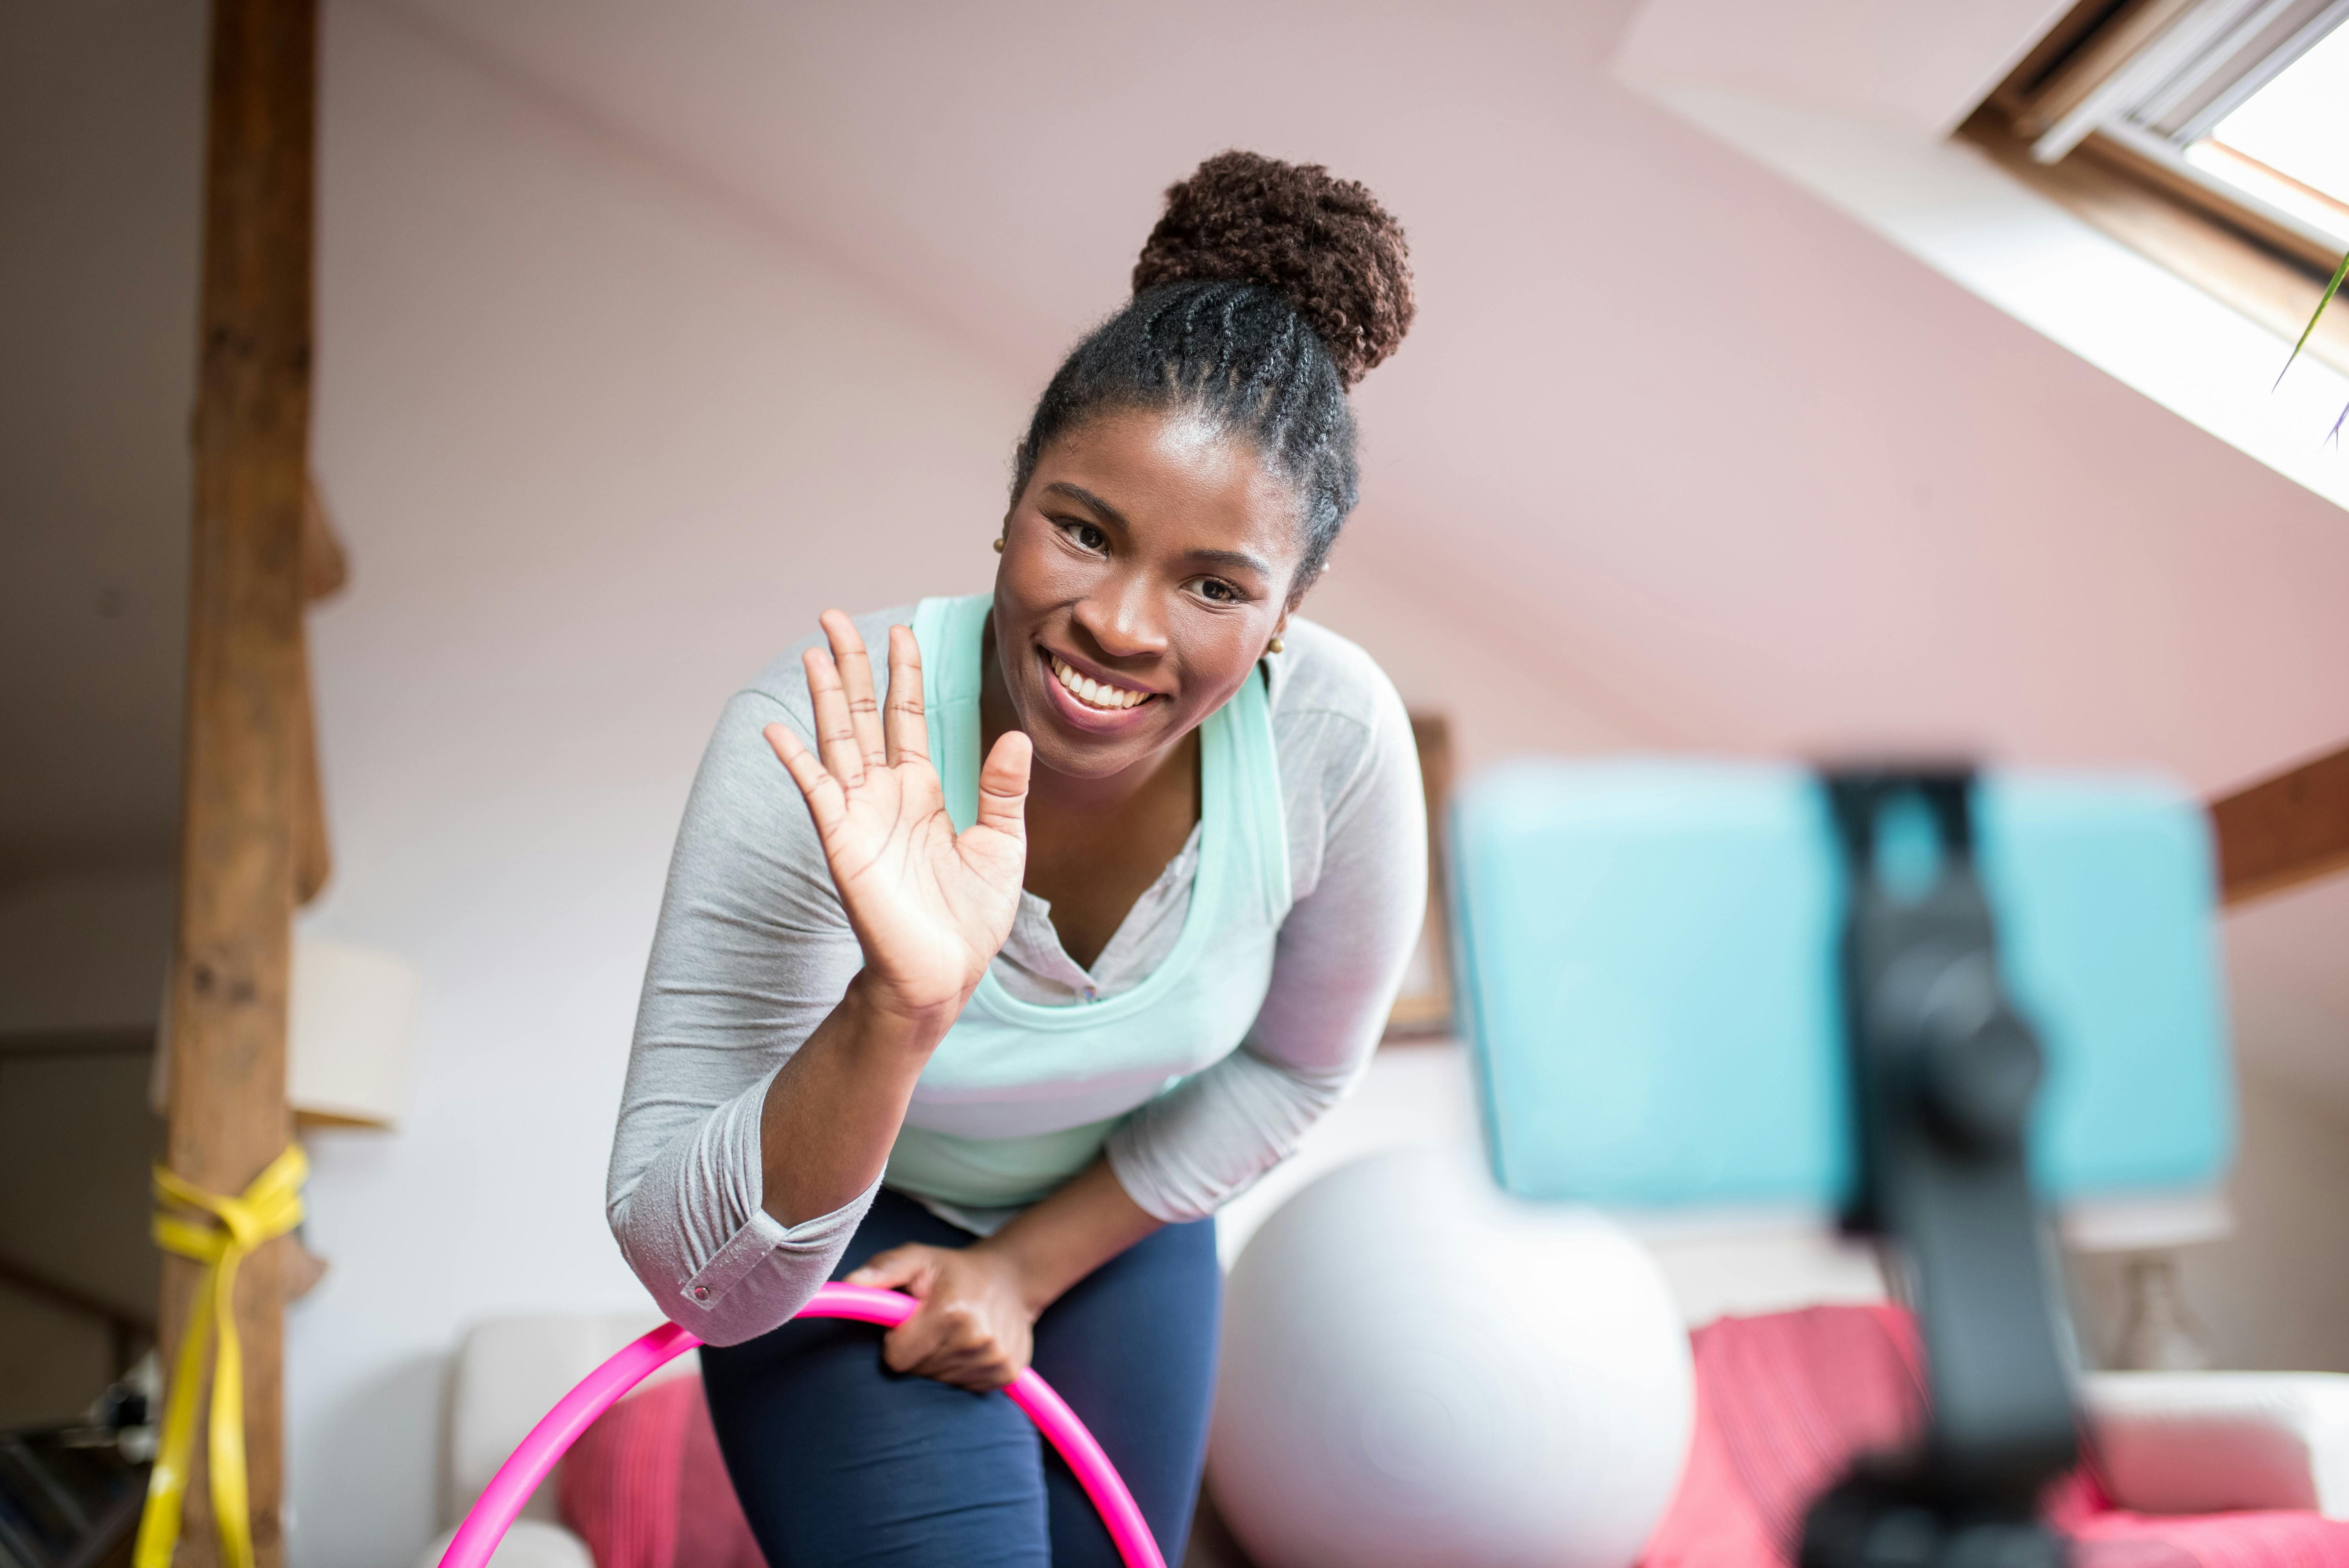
646, 1488
1784, 1402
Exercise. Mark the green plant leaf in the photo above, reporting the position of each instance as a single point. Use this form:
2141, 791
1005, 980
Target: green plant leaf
2306, 332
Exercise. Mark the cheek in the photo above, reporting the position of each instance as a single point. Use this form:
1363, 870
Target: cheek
1038, 574
1215, 666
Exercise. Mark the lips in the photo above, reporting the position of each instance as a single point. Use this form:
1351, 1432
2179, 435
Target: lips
1098, 694
1088, 702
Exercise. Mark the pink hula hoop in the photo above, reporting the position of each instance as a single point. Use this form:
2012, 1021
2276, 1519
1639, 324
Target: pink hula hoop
530, 1463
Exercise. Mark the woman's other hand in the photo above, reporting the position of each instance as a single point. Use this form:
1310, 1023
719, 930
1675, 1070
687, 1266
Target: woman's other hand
929, 906
974, 1329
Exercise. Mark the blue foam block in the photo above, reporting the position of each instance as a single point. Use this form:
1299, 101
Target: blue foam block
1646, 969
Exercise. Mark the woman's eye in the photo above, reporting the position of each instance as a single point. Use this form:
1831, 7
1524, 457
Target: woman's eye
1221, 591
1086, 536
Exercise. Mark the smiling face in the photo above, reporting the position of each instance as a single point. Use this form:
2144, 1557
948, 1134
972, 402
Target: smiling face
1146, 566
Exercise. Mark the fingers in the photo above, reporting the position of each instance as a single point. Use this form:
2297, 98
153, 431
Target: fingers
952, 1336
1003, 785
951, 1342
835, 734
856, 681
913, 1341
818, 787
907, 731
899, 1268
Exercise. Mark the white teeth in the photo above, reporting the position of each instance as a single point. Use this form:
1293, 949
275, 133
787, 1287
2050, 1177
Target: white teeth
1094, 693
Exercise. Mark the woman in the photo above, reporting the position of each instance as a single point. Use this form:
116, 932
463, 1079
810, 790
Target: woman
1005, 1034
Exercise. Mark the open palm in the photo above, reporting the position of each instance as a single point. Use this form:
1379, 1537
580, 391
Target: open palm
929, 906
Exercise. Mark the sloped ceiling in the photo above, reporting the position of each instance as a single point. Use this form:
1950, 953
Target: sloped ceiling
1705, 450
1749, 477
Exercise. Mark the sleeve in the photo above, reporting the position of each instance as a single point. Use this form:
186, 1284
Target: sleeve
753, 951
1341, 956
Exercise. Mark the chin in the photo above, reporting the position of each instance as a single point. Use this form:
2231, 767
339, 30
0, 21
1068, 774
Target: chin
1084, 759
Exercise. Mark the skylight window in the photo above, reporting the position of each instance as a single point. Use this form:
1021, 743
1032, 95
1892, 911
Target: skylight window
2211, 136
2288, 144
2247, 100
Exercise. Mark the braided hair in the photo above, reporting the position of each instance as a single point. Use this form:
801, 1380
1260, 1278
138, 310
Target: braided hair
1265, 291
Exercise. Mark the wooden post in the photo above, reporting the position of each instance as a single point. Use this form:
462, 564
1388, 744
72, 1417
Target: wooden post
227, 1102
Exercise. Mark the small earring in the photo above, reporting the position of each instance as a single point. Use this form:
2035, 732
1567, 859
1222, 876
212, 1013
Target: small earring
999, 544
1273, 646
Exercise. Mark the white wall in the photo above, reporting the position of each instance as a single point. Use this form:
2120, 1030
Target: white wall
599, 446
2275, 1294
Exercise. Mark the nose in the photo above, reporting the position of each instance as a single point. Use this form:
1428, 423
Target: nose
1123, 617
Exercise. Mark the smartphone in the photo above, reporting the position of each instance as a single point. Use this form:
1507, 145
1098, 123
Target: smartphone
1646, 969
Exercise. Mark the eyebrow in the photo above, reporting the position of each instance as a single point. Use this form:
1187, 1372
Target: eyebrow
1061, 486
1240, 559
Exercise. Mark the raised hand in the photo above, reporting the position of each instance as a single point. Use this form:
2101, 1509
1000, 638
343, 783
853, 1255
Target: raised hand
930, 907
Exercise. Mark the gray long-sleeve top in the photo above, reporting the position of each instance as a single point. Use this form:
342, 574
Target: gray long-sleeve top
753, 950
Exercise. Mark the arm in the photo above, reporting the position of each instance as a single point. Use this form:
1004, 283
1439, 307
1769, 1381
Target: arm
736, 1183
930, 908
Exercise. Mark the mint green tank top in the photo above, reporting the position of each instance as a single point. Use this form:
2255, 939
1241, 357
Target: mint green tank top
1020, 1096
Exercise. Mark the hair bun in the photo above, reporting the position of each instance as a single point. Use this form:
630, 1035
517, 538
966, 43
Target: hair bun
1323, 244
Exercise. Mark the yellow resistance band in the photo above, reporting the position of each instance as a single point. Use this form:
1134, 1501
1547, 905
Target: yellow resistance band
235, 1226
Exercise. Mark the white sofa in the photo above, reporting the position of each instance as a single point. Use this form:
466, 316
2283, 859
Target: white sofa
508, 1373
2209, 1442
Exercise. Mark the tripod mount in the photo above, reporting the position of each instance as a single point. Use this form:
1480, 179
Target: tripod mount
1943, 1072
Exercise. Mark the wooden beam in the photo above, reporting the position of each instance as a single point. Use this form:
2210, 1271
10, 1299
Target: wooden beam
2284, 831
227, 1023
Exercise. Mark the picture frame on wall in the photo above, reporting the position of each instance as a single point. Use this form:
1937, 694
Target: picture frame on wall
1422, 1008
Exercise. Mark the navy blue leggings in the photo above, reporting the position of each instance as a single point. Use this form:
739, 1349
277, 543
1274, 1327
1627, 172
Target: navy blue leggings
840, 1461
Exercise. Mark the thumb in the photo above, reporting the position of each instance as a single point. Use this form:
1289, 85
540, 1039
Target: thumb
899, 1268
1003, 786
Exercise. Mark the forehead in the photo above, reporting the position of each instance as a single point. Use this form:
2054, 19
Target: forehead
1177, 474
